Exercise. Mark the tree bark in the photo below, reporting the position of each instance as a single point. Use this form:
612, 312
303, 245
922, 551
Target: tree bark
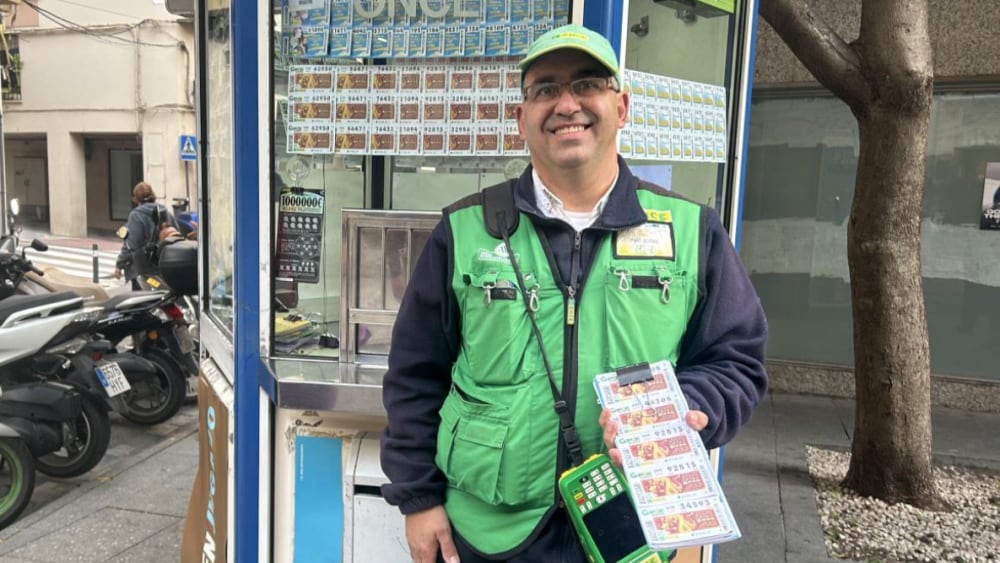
886, 78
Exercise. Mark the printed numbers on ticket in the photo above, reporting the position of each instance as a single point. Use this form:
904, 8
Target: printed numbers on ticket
692, 522
670, 482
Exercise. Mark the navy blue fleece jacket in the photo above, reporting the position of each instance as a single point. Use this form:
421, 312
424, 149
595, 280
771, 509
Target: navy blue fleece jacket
720, 368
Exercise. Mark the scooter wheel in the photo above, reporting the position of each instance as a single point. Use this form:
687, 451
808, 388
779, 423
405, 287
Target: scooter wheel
156, 399
91, 433
17, 479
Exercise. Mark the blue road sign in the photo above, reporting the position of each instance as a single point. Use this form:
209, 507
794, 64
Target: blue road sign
189, 147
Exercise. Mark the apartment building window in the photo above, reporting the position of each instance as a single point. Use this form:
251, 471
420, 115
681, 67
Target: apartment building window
10, 67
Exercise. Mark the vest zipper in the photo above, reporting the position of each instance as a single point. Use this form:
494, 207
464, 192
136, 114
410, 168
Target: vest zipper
574, 281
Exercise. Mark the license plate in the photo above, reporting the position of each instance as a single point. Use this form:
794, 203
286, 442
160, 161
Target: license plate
112, 378
184, 340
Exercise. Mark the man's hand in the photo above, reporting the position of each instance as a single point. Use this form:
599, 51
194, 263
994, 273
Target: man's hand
695, 419
118, 273
426, 532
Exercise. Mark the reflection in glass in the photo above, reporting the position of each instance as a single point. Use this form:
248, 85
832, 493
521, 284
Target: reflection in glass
800, 185
699, 51
218, 130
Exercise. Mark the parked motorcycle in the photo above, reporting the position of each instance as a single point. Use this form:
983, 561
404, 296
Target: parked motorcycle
38, 335
141, 390
156, 325
17, 476
151, 325
37, 420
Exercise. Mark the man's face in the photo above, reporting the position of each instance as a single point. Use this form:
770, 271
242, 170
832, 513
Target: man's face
570, 131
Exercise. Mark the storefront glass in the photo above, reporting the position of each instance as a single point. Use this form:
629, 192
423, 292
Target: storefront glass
801, 172
692, 48
217, 128
382, 106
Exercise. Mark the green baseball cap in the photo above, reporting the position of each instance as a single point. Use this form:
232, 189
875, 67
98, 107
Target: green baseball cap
572, 36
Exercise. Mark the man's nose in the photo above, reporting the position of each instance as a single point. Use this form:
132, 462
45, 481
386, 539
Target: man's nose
567, 104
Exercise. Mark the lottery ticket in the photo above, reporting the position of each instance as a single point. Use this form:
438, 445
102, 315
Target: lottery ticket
676, 481
672, 482
308, 78
687, 523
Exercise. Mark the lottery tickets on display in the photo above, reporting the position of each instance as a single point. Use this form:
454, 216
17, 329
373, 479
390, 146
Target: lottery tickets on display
671, 479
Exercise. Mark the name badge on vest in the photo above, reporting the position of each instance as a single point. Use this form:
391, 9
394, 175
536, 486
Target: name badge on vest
652, 239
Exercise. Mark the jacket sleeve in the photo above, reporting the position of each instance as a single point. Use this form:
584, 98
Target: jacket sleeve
721, 368
133, 242
424, 347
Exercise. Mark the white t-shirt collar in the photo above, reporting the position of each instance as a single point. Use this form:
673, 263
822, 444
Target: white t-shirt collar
552, 207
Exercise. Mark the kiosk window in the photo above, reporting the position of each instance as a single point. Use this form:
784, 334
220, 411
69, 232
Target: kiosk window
217, 227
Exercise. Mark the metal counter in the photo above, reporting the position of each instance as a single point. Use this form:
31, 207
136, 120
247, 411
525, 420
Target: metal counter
328, 385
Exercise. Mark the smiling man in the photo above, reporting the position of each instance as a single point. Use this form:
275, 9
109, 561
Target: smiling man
526, 291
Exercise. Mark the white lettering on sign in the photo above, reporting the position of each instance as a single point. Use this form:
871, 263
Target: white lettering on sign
208, 548
458, 8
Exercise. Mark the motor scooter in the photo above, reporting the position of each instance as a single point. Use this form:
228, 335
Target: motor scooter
142, 391
45, 327
151, 325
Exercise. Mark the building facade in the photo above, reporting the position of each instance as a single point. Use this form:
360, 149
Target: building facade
96, 98
800, 183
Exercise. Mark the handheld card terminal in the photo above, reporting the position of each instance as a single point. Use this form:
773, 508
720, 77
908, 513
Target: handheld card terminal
601, 509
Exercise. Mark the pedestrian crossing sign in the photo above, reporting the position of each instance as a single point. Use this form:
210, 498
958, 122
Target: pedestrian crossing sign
189, 147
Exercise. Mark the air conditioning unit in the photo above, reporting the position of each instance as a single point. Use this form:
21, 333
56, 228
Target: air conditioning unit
183, 8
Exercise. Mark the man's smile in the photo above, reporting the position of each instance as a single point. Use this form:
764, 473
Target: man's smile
569, 128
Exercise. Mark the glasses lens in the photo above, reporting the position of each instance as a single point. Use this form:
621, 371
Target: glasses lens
581, 88
588, 86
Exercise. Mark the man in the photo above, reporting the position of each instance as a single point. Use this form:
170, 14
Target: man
613, 271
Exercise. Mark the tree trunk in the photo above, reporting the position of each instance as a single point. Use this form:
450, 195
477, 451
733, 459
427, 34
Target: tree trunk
891, 451
886, 77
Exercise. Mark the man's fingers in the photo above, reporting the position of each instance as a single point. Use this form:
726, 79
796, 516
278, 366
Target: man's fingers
610, 432
448, 551
616, 456
697, 420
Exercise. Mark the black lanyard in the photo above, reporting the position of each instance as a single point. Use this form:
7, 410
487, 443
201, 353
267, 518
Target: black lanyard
566, 426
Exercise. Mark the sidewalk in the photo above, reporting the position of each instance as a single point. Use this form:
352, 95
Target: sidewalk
767, 481
135, 512
129, 508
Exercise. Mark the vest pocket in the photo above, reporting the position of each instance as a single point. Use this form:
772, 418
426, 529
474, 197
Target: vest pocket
496, 331
477, 451
646, 308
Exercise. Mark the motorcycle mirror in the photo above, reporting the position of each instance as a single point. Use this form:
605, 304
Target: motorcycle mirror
39, 245
122, 232
15, 206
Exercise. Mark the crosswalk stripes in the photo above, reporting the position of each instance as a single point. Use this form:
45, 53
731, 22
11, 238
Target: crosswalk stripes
74, 261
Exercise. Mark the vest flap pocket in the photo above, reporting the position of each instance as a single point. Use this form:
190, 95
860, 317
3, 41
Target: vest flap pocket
482, 431
647, 305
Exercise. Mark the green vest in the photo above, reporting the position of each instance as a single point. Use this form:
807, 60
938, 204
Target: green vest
499, 433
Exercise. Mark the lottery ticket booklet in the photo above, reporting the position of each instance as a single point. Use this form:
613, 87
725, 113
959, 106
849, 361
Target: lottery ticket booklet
673, 483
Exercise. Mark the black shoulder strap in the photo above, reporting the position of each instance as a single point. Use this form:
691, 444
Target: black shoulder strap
498, 209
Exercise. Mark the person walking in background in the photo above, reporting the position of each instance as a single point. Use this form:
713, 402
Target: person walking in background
577, 266
145, 222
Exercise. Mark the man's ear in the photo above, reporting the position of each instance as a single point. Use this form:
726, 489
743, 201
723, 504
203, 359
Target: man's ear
624, 102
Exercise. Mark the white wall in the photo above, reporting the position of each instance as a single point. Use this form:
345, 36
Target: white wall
131, 75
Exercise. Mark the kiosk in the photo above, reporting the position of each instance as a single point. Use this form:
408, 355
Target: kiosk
333, 132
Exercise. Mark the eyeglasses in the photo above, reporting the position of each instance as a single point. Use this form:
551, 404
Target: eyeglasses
587, 87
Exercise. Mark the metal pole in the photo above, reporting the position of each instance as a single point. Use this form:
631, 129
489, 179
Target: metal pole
3, 170
94, 249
